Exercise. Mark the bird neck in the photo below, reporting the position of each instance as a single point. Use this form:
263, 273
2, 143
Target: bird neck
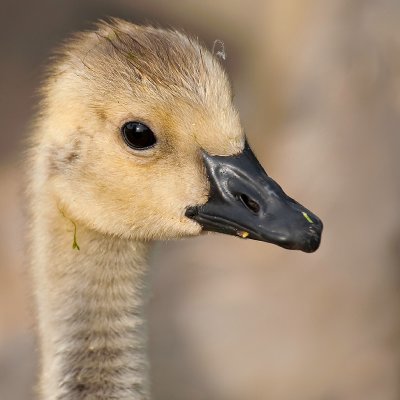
90, 303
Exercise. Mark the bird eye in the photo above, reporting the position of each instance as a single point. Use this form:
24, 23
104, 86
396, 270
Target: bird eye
138, 136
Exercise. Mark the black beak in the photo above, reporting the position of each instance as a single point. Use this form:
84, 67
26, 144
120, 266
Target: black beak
246, 202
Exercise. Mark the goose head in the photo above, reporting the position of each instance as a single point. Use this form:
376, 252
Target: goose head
143, 142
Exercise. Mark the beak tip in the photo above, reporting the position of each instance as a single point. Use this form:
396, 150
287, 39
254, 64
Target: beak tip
312, 246
314, 240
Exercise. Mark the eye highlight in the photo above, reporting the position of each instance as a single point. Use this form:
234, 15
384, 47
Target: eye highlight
138, 136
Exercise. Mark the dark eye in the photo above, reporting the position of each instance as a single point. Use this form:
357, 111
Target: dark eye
138, 136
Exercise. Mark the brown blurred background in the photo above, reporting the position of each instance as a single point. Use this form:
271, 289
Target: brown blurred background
317, 84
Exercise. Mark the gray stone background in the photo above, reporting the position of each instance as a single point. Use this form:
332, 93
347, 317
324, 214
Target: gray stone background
317, 84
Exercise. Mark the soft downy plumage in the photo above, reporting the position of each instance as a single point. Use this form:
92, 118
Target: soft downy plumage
98, 203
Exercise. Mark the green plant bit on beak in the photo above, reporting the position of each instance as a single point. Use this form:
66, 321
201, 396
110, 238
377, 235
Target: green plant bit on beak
305, 215
75, 245
243, 234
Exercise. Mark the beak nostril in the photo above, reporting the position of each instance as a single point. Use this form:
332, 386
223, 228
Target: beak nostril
249, 203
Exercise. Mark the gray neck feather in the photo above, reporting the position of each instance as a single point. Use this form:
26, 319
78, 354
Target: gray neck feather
90, 313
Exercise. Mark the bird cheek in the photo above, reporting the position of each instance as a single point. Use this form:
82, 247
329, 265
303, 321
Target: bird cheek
198, 185
197, 190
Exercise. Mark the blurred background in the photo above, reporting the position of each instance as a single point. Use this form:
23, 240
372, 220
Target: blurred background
317, 84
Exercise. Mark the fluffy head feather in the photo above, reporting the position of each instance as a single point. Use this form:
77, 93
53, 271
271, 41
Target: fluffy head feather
123, 72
